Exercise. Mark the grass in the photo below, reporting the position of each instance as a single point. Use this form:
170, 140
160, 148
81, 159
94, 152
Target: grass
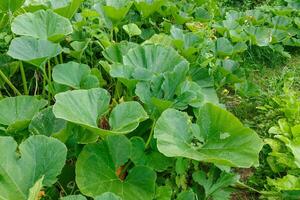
260, 112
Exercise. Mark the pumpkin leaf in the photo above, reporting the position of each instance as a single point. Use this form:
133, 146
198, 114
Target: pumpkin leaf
217, 137
33, 51
17, 112
96, 171
38, 157
42, 25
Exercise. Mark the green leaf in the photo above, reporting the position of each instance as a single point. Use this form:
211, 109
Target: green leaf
186, 195
150, 158
71, 74
67, 10
37, 157
86, 107
224, 47
288, 182
213, 185
33, 51
218, 137
126, 116
82, 107
90, 81
42, 25
115, 52
132, 29
108, 196
259, 36
73, 197
158, 70
45, 123
17, 112
147, 8
11, 5
114, 10
96, 171
163, 193
153, 59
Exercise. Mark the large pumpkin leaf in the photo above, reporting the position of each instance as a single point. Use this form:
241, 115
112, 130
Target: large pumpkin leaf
10, 5
65, 8
259, 36
218, 137
21, 167
96, 171
42, 25
115, 52
82, 107
116, 10
16, 112
158, 72
86, 107
68, 9
153, 59
33, 51
71, 74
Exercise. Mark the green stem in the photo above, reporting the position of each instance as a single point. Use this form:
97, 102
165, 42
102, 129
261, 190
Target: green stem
9, 83
49, 79
248, 187
150, 136
24, 78
61, 59
56, 60
44, 86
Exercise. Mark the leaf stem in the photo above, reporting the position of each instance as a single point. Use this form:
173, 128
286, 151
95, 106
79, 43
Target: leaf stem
150, 135
248, 187
24, 78
61, 58
50, 88
56, 60
9, 83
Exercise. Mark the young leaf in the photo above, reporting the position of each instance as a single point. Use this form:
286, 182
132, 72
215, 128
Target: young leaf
126, 116
132, 29
37, 157
97, 166
71, 74
218, 137
215, 187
